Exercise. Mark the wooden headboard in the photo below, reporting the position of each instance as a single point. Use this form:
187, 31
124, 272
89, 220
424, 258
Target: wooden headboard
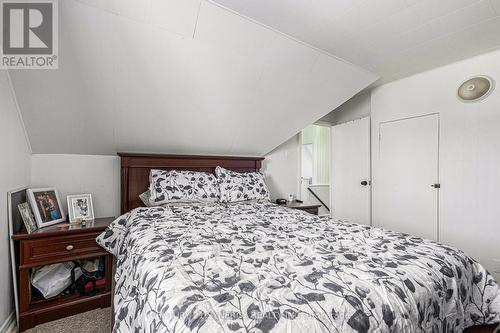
135, 170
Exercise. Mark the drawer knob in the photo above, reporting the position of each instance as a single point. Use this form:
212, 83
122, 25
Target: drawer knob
69, 247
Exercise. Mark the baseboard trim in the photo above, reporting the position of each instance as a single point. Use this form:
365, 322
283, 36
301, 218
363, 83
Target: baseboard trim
9, 325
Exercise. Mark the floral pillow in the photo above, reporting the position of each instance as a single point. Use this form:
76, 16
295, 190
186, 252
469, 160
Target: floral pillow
182, 186
236, 186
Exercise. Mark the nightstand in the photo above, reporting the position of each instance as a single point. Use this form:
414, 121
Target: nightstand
52, 245
310, 208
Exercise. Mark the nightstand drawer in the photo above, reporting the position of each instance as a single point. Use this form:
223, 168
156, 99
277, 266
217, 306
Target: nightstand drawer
40, 251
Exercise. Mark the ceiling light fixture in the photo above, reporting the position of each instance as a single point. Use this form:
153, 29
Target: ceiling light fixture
476, 89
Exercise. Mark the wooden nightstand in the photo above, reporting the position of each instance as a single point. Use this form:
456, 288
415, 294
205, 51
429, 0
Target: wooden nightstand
310, 208
52, 245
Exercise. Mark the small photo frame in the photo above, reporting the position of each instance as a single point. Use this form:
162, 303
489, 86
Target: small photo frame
27, 216
46, 206
80, 208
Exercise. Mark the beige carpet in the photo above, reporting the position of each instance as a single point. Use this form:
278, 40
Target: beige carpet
95, 321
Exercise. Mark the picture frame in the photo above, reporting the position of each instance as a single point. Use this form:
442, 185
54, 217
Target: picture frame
80, 207
14, 198
27, 217
46, 206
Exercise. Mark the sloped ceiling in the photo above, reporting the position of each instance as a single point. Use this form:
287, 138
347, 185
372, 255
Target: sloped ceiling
392, 38
176, 76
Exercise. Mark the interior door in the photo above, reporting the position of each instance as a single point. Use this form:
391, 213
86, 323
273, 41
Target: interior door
406, 183
350, 175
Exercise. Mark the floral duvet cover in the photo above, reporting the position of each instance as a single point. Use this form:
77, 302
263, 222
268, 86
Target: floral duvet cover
258, 267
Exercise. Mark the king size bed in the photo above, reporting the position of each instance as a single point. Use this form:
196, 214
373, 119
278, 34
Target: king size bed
234, 262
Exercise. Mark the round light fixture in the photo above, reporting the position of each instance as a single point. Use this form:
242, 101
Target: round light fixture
476, 89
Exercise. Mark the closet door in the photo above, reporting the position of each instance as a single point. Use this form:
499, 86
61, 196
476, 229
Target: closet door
406, 184
350, 176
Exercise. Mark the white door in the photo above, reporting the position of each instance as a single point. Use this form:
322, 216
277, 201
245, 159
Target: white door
350, 175
404, 189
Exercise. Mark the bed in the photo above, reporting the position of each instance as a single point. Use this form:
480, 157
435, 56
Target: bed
253, 266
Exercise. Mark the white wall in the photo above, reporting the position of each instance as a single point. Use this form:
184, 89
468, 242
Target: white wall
281, 168
469, 150
98, 175
14, 172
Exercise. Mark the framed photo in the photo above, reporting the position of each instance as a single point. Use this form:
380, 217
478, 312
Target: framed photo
27, 216
80, 207
46, 206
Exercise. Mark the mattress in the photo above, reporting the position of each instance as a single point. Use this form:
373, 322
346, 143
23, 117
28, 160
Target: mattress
258, 267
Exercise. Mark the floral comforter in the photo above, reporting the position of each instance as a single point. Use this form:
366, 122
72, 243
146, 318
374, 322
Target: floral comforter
257, 267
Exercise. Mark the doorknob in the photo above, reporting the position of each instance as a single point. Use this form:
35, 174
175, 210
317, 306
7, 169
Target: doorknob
364, 183
436, 185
